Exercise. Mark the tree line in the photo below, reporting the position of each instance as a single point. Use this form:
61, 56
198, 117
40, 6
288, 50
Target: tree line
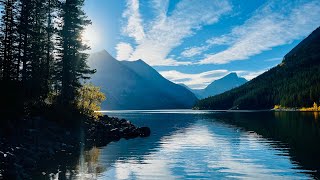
42, 56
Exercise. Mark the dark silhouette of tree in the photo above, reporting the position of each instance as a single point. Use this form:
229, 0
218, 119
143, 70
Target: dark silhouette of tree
8, 37
41, 52
72, 59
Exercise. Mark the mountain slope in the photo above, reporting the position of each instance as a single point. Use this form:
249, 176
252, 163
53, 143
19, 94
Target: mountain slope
293, 83
172, 90
224, 84
136, 85
218, 86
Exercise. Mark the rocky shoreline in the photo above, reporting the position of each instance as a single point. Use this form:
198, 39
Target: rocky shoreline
27, 150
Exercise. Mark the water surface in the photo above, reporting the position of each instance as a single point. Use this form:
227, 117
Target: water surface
211, 145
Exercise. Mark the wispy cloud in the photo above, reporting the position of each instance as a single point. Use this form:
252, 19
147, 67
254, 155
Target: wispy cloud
195, 81
202, 80
248, 75
165, 32
134, 27
274, 59
198, 50
269, 28
124, 51
194, 51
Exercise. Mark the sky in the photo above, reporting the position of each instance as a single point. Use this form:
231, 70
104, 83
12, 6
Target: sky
195, 42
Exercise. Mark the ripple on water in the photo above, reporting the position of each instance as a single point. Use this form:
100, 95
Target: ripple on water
194, 145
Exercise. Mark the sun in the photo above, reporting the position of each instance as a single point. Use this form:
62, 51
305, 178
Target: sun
91, 36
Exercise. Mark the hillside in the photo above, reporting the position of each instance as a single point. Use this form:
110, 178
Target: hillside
222, 85
218, 86
136, 85
293, 83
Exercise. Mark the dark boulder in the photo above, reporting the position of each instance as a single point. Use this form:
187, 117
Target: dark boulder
144, 131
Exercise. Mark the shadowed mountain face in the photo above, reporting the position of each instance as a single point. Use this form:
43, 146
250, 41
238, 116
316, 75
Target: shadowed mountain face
136, 85
293, 83
219, 86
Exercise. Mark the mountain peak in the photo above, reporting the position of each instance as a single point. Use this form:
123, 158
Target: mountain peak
223, 84
231, 75
128, 83
297, 69
102, 53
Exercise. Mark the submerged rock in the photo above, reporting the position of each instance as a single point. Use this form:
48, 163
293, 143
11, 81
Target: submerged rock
144, 131
38, 141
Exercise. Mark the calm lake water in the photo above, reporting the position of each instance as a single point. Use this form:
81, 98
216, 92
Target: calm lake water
211, 145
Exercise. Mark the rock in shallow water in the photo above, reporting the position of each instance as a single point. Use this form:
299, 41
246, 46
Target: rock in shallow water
144, 131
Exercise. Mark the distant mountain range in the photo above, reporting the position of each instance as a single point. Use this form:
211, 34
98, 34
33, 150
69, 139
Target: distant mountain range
293, 83
136, 85
219, 86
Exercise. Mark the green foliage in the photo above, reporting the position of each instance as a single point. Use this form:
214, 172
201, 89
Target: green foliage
42, 59
89, 99
293, 83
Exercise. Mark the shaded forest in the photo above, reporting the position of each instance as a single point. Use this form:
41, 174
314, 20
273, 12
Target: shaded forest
42, 57
293, 83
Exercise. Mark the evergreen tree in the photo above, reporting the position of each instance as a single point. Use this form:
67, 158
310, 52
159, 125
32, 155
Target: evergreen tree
293, 83
51, 9
41, 51
72, 58
25, 27
8, 37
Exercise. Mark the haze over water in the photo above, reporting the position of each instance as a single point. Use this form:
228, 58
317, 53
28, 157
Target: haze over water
207, 145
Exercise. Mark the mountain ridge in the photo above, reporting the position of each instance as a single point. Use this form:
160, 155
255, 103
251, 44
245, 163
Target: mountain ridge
226, 83
133, 85
292, 83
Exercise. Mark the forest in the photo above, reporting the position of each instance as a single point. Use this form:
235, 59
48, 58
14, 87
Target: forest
42, 56
294, 83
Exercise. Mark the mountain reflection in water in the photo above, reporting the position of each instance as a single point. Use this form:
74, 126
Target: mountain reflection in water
187, 144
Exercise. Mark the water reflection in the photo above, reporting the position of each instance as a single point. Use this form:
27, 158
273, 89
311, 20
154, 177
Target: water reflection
210, 145
90, 168
316, 116
198, 152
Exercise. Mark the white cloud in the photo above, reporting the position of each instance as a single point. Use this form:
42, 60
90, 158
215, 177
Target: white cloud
124, 51
274, 59
193, 51
164, 33
222, 40
268, 29
134, 26
248, 75
198, 50
195, 81
202, 80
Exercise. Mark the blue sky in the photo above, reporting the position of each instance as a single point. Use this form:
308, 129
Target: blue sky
197, 41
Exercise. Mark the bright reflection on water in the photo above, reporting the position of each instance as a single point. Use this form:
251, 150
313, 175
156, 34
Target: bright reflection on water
212, 145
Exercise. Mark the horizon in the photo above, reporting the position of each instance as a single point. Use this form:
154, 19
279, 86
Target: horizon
197, 47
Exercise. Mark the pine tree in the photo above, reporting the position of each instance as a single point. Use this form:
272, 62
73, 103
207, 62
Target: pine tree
72, 58
51, 9
8, 37
25, 26
32, 61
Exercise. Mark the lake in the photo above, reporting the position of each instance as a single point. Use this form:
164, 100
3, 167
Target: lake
187, 144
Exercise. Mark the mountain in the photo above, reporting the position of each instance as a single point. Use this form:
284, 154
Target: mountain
292, 83
136, 85
222, 85
218, 86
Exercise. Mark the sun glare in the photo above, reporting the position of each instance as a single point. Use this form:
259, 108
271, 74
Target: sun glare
91, 36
